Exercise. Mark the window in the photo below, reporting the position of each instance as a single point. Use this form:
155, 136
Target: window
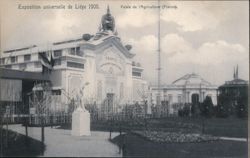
133, 63
170, 98
165, 97
38, 64
13, 59
2, 61
57, 62
138, 74
111, 71
99, 90
121, 90
56, 92
23, 66
75, 65
8, 66
27, 57
58, 53
72, 51
158, 100
179, 98
76, 51
39, 57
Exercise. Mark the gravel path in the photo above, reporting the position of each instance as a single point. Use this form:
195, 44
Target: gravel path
60, 143
234, 139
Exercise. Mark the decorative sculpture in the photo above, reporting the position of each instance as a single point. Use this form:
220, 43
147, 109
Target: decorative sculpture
108, 21
80, 116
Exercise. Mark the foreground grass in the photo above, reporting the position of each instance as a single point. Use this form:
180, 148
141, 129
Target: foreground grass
171, 137
135, 146
227, 127
20, 145
224, 127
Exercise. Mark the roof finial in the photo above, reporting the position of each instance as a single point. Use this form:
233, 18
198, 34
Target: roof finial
234, 72
236, 75
108, 11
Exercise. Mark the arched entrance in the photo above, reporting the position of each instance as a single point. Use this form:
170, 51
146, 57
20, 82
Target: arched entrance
195, 99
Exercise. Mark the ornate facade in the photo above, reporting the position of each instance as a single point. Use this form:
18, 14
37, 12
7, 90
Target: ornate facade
191, 88
100, 60
233, 96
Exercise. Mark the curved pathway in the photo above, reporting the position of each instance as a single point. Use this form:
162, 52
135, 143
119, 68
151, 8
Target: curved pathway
60, 143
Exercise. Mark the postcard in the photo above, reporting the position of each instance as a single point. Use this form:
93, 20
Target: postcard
133, 78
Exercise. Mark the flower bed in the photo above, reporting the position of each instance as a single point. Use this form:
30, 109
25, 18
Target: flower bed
175, 137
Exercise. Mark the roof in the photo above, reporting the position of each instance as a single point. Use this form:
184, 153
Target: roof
193, 79
90, 44
22, 75
235, 83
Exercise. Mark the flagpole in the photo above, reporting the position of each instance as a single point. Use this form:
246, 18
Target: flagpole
159, 56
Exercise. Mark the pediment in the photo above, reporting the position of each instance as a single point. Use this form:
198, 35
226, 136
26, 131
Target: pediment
111, 41
110, 61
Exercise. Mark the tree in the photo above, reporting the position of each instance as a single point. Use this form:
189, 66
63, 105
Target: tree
195, 109
241, 108
42, 102
222, 110
185, 111
143, 93
207, 107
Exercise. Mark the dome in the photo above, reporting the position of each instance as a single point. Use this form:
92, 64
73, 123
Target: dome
107, 26
108, 21
191, 79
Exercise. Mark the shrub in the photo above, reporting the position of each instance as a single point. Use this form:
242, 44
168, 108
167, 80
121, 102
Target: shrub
222, 111
185, 111
207, 107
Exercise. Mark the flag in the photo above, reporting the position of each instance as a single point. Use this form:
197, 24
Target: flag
47, 61
52, 60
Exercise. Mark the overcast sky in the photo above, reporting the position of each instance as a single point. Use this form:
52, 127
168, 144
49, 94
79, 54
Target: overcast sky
208, 38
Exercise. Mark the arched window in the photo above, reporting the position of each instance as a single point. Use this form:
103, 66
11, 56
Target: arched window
111, 71
99, 90
121, 90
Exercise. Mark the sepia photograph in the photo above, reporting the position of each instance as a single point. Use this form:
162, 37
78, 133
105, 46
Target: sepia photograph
124, 78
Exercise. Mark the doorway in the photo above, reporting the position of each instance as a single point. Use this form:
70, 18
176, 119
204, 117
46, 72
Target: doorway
110, 102
195, 99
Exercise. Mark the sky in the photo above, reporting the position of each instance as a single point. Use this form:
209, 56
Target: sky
208, 38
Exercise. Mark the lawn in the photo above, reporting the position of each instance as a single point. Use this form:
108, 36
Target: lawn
226, 127
20, 145
135, 146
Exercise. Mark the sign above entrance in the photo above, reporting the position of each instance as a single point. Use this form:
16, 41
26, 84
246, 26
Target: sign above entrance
110, 62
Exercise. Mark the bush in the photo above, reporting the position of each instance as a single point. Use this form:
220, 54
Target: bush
242, 111
185, 111
222, 111
195, 111
207, 107
175, 137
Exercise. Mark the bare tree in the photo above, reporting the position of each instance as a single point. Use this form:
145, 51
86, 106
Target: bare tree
42, 102
143, 93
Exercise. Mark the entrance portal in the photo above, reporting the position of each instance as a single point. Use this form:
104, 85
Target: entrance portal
110, 102
195, 99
